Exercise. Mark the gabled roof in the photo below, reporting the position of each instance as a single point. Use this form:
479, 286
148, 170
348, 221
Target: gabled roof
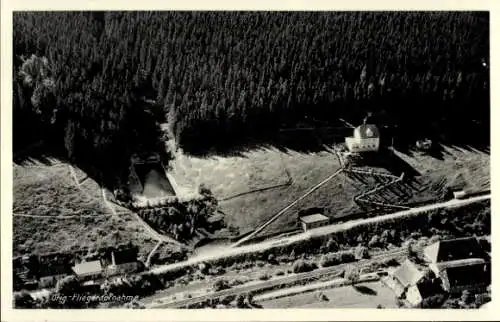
460, 262
429, 288
468, 275
408, 274
125, 256
367, 131
54, 269
314, 218
454, 249
88, 268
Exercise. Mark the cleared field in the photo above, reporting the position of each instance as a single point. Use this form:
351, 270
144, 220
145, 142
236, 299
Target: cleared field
258, 169
228, 176
467, 167
364, 295
51, 214
51, 191
267, 167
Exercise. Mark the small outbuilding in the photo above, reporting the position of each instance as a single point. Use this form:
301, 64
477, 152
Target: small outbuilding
313, 221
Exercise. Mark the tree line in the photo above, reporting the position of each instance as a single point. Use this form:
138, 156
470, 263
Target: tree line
219, 78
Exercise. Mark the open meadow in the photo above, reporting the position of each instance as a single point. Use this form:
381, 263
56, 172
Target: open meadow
255, 185
51, 214
364, 295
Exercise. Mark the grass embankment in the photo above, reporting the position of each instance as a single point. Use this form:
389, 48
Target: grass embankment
365, 295
253, 170
262, 168
57, 217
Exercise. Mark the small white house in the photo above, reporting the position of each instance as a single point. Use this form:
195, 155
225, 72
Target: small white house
366, 138
314, 221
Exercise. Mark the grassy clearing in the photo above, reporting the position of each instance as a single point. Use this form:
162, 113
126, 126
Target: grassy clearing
49, 193
461, 166
364, 295
254, 170
264, 167
227, 176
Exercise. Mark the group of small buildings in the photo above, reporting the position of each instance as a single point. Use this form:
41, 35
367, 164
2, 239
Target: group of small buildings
449, 266
30, 274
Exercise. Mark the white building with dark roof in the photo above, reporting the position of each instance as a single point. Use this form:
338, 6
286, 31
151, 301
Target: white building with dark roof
366, 138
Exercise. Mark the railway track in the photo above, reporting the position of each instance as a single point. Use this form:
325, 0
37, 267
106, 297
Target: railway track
316, 232
284, 281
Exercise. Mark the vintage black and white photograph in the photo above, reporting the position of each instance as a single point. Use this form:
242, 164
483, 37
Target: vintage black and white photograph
251, 159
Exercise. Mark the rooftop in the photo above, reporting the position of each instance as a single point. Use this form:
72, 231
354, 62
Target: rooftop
408, 274
469, 275
314, 218
88, 268
460, 262
125, 256
454, 249
53, 269
429, 288
366, 131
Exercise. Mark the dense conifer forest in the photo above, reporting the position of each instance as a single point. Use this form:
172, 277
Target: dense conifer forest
97, 85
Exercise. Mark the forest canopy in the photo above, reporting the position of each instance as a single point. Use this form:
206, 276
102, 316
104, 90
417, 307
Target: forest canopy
100, 83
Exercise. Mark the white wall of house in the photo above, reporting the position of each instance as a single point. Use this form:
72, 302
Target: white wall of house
413, 296
362, 145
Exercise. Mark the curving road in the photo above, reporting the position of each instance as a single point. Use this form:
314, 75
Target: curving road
321, 231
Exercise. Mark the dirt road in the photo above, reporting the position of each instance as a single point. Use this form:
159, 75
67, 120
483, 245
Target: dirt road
322, 231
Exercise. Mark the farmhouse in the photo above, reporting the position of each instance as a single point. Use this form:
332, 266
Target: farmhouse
460, 263
313, 221
50, 274
366, 138
403, 277
473, 277
423, 289
88, 270
123, 262
453, 249
410, 282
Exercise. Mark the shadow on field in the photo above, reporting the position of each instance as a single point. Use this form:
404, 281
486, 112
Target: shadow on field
386, 159
364, 290
38, 152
